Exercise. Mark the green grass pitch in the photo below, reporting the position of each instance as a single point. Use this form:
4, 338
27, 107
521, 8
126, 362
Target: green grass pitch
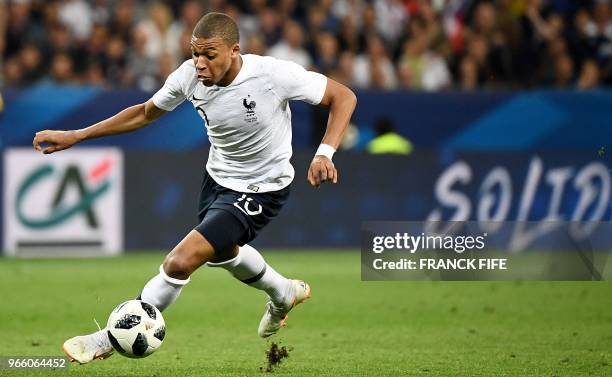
348, 328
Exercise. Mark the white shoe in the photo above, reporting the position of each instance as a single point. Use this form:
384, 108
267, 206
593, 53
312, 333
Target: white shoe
275, 315
86, 348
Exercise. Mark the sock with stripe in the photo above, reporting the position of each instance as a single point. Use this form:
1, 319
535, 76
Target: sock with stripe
250, 268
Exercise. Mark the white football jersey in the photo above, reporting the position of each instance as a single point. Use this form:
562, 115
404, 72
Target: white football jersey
249, 121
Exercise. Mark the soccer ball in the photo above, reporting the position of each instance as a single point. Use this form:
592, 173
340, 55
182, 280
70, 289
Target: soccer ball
136, 329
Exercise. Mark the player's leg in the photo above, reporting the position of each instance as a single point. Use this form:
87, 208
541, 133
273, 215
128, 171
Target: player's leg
162, 290
250, 268
239, 218
224, 230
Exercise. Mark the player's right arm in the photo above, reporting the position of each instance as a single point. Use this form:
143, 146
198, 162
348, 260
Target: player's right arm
166, 99
130, 119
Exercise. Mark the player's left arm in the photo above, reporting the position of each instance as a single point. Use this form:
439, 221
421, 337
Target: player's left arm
341, 101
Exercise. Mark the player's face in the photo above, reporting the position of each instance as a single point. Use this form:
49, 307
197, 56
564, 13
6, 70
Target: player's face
213, 58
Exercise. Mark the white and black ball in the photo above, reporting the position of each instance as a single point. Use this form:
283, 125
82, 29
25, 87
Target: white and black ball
136, 328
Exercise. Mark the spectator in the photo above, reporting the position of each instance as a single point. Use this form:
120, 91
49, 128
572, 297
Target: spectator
290, 47
602, 20
534, 32
349, 37
98, 44
477, 52
468, 74
269, 26
438, 42
122, 19
345, 72
289, 9
589, 76
190, 12
255, 45
382, 44
50, 15
488, 45
100, 12
13, 72
143, 69
165, 68
185, 46
159, 37
564, 71
374, 68
77, 16
94, 75
59, 39
247, 24
390, 18
419, 67
19, 29
30, 59
368, 25
320, 17
62, 69
115, 62
326, 59
545, 72
349, 9
387, 140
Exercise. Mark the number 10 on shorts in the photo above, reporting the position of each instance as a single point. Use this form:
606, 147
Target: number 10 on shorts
248, 206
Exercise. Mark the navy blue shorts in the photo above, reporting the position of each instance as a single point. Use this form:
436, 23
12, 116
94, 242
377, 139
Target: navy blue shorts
229, 217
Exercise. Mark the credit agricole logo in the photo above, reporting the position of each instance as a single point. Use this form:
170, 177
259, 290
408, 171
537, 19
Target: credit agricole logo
90, 185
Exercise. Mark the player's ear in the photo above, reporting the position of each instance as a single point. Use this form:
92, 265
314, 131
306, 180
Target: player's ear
235, 50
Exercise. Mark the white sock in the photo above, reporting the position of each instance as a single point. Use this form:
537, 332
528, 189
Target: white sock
162, 290
250, 268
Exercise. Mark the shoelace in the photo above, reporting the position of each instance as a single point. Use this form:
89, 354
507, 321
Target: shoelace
276, 311
279, 311
101, 341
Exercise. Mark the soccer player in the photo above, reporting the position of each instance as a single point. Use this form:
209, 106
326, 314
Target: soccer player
244, 102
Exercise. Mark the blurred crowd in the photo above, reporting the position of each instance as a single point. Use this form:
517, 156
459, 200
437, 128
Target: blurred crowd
427, 45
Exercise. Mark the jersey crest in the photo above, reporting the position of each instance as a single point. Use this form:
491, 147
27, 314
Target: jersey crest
249, 105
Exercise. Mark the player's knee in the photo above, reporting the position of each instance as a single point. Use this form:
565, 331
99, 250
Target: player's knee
177, 266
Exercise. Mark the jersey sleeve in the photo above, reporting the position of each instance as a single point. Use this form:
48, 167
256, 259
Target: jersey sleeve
171, 94
293, 82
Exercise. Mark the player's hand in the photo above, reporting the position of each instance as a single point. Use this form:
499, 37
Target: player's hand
321, 170
57, 140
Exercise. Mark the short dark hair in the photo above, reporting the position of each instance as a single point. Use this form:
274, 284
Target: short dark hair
216, 24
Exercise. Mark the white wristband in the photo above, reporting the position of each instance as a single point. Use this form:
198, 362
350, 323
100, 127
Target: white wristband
325, 150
